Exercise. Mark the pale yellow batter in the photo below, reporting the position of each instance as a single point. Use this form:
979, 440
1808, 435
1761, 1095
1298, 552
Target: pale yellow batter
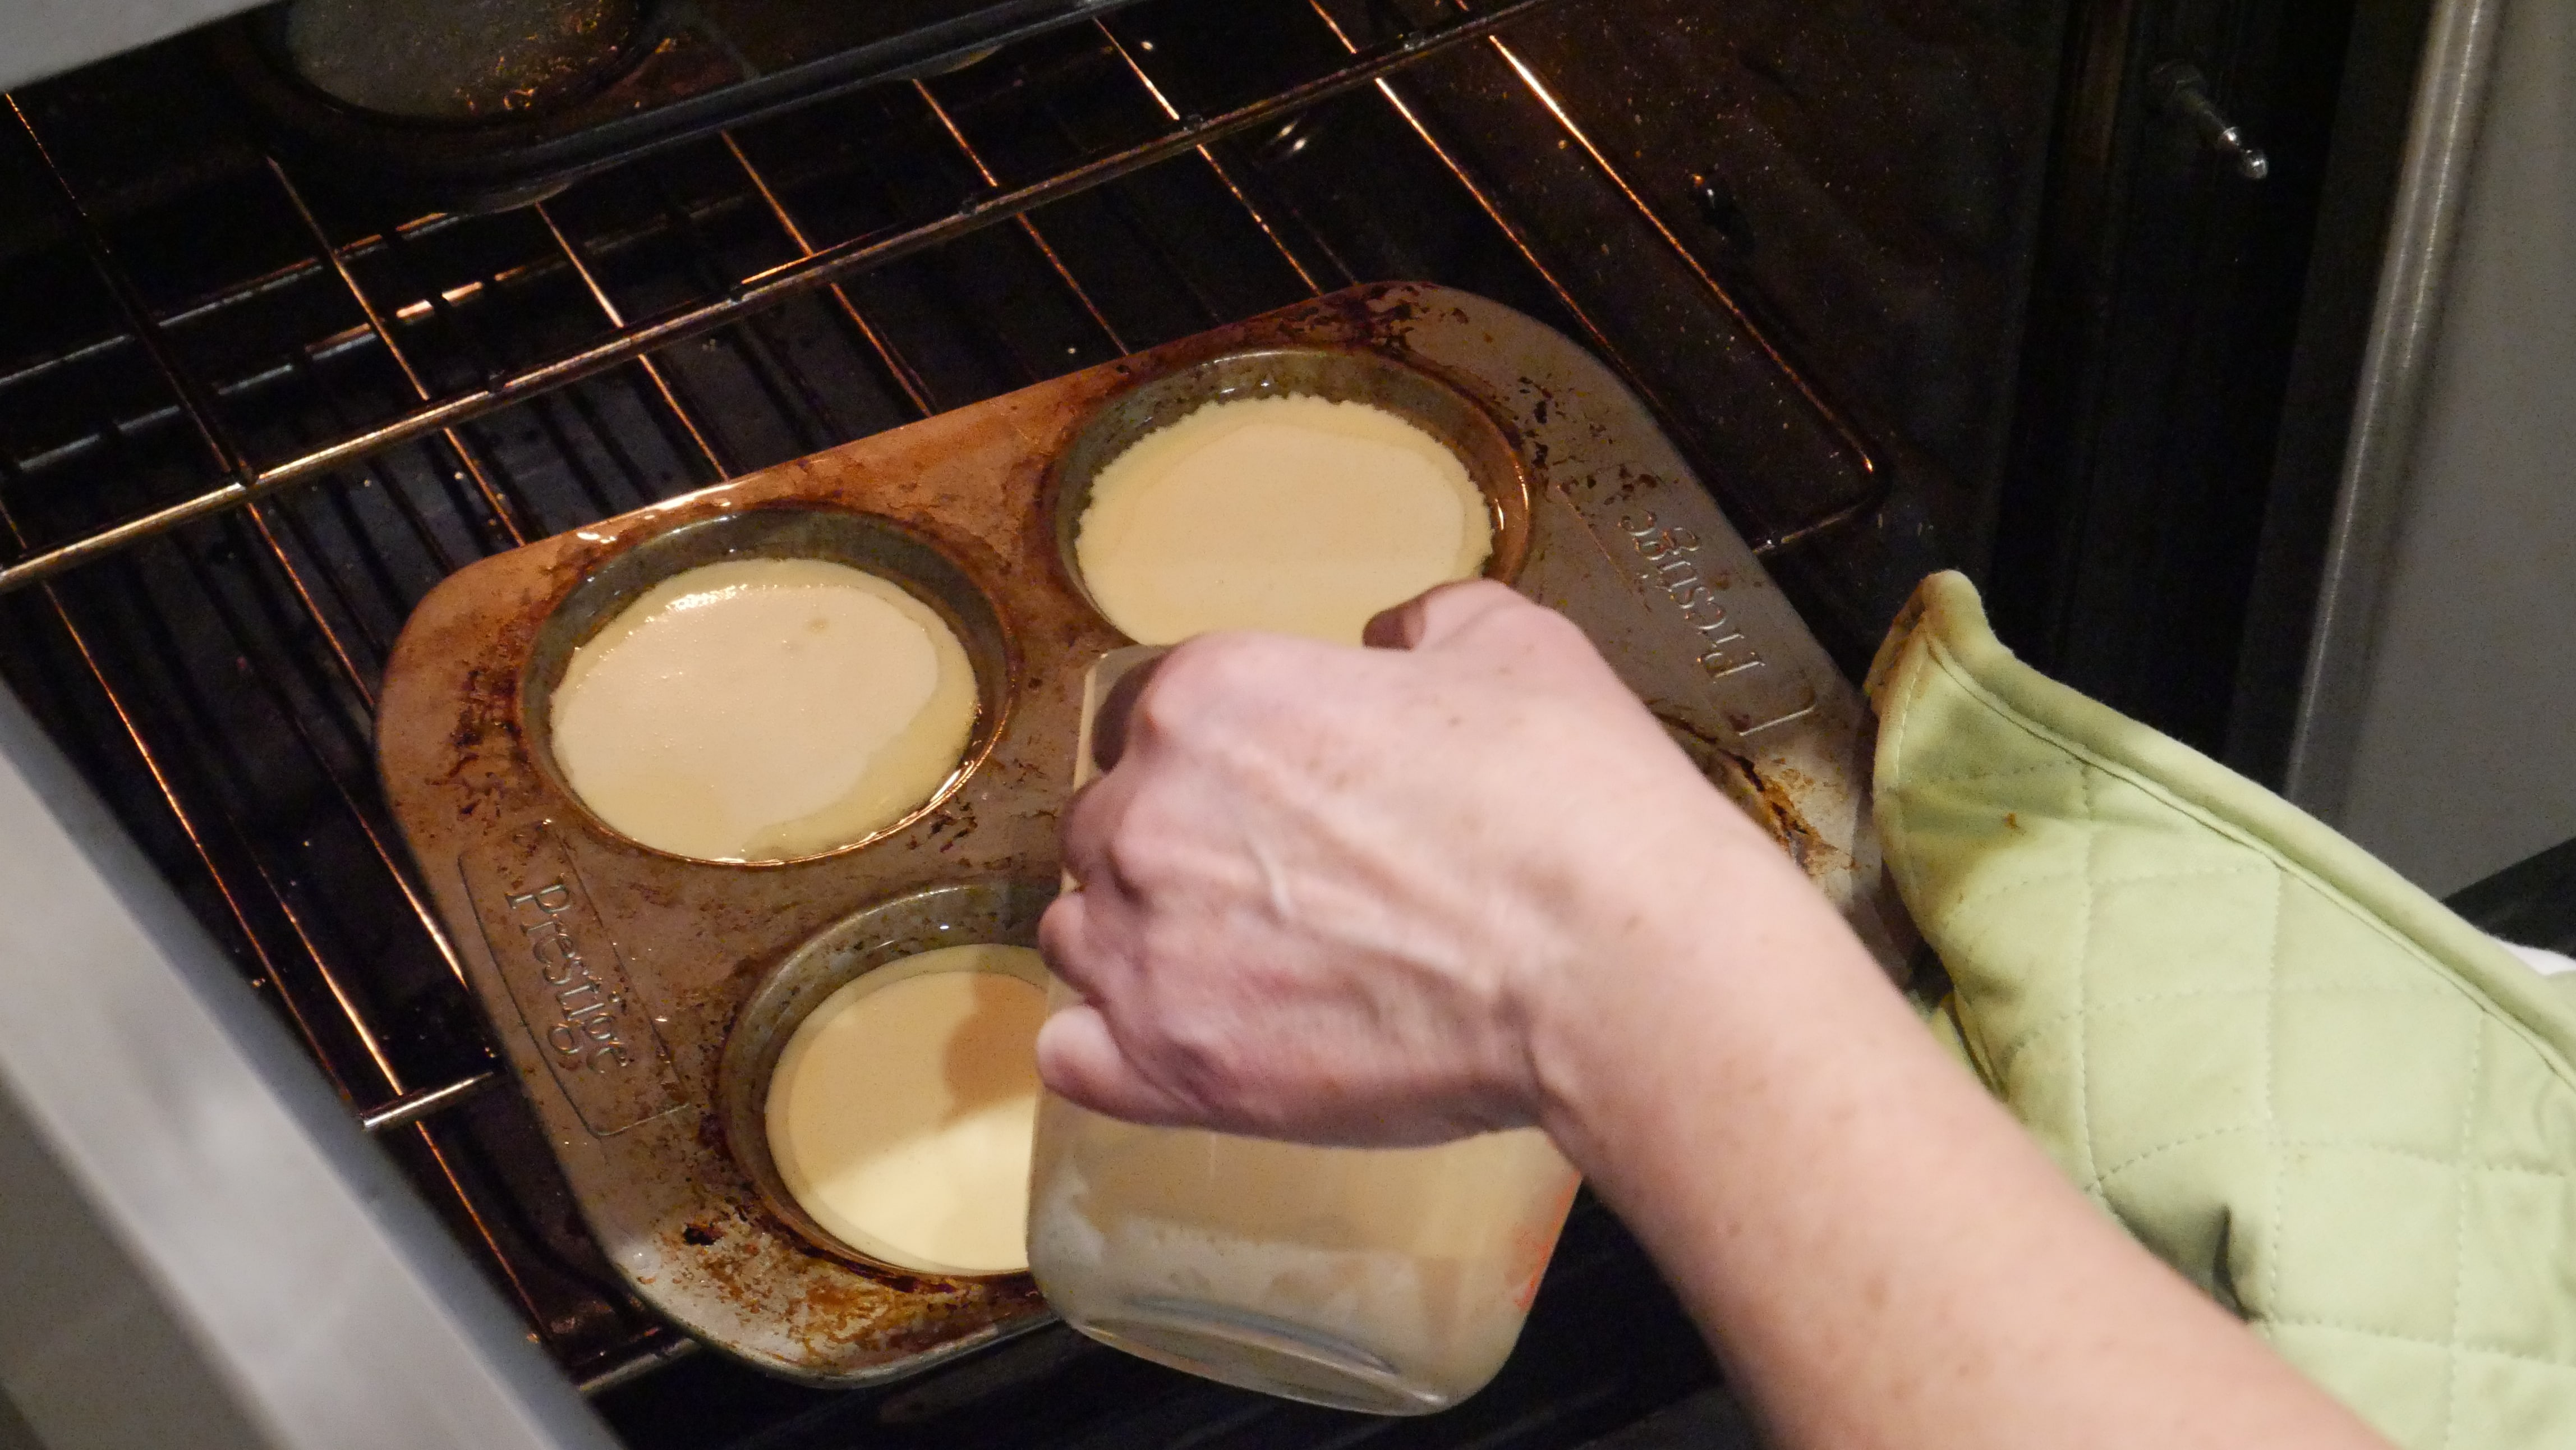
900, 1113
763, 709
1292, 514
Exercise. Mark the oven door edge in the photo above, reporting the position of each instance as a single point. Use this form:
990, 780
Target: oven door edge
197, 1243
38, 39
2396, 182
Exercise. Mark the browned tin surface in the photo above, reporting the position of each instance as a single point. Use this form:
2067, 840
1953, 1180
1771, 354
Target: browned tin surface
660, 954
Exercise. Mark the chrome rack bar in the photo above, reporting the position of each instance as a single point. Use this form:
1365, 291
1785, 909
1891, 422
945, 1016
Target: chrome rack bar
589, 279
1881, 483
410, 1108
897, 368
1225, 178
1417, 118
826, 265
505, 511
1028, 228
217, 440
654, 1355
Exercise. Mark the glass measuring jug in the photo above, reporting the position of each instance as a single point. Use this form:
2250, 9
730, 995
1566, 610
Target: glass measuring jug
1392, 1280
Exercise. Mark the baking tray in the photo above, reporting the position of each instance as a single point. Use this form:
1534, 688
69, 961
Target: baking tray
684, 68
1619, 535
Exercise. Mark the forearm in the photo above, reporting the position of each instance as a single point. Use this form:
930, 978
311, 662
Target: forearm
1879, 1254
1326, 896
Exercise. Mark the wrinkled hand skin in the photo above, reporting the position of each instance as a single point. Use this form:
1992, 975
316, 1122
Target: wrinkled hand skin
1461, 881
1347, 895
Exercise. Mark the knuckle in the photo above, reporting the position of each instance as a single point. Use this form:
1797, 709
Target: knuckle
1219, 662
1470, 603
1197, 1061
1183, 1042
1136, 857
1483, 593
1548, 631
1058, 940
1539, 621
1160, 717
1203, 683
1166, 707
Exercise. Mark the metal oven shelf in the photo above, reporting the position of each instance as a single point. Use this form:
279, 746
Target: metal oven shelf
227, 475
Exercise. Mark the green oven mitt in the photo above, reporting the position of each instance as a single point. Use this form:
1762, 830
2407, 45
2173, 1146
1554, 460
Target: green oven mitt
2331, 1103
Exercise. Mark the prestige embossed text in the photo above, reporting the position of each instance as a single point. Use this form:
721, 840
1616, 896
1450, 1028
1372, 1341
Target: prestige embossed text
587, 1033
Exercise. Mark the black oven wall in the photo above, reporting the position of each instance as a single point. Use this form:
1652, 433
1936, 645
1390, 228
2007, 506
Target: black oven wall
2128, 529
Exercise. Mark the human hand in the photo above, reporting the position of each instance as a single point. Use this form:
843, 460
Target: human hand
1463, 881
1339, 895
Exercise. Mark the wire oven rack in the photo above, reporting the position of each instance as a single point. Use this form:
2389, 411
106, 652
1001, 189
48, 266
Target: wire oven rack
245, 424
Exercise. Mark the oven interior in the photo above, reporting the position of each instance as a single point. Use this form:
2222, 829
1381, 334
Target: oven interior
1810, 235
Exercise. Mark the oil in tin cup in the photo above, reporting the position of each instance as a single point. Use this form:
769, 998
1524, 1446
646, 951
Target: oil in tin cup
1393, 1280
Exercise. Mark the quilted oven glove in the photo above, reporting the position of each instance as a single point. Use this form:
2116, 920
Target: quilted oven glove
2332, 1104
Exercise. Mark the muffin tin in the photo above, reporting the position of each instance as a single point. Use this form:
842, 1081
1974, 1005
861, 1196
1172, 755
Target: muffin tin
636, 992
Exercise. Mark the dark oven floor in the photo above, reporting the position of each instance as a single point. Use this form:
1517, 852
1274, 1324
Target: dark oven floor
1801, 230
1606, 1346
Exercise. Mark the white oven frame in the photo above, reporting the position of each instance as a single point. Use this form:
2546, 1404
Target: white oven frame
198, 1244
